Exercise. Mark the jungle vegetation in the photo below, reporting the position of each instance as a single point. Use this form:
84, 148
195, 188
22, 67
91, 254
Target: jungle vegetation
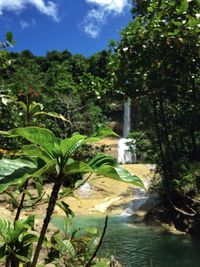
155, 63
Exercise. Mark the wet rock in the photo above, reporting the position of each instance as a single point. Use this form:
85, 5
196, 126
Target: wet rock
181, 211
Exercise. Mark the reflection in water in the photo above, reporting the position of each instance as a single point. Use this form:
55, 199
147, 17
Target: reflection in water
146, 246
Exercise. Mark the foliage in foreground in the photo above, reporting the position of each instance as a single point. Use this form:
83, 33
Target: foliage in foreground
51, 156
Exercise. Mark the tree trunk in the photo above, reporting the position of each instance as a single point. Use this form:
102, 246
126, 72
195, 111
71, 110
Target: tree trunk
49, 212
171, 168
21, 204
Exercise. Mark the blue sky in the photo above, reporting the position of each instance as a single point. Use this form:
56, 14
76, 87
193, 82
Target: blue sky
81, 26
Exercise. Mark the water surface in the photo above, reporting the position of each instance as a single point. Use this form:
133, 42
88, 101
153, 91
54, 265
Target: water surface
139, 245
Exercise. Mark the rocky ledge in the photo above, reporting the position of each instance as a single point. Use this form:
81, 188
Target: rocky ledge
181, 211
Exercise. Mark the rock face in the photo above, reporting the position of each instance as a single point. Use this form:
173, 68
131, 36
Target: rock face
112, 146
101, 196
181, 211
107, 195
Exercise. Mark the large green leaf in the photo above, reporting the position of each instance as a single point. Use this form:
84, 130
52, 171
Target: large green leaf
53, 115
29, 221
23, 106
36, 135
49, 167
22, 258
16, 238
65, 246
13, 232
102, 132
65, 207
5, 227
77, 167
33, 106
120, 174
15, 172
68, 247
20, 228
105, 165
101, 159
70, 145
27, 239
36, 151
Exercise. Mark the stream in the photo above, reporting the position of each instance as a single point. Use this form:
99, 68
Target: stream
139, 245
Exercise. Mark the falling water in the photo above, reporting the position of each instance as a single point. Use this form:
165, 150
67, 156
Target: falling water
126, 146
126, 151
127, 118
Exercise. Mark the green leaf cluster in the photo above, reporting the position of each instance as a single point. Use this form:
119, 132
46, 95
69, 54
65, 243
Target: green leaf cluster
58, 154
16, 240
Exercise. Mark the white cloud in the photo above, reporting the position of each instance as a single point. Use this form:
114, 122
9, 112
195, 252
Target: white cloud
25, 24
93, 22
48, 8
92, 30
110, 5
98, 15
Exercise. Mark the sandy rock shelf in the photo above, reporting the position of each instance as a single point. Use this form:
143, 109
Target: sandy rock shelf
106, 196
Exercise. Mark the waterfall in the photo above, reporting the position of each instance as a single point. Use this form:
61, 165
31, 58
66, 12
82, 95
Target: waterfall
127, 118
126, 146
126, 151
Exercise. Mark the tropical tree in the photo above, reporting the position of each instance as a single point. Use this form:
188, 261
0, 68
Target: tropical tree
160, 52
4, 56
